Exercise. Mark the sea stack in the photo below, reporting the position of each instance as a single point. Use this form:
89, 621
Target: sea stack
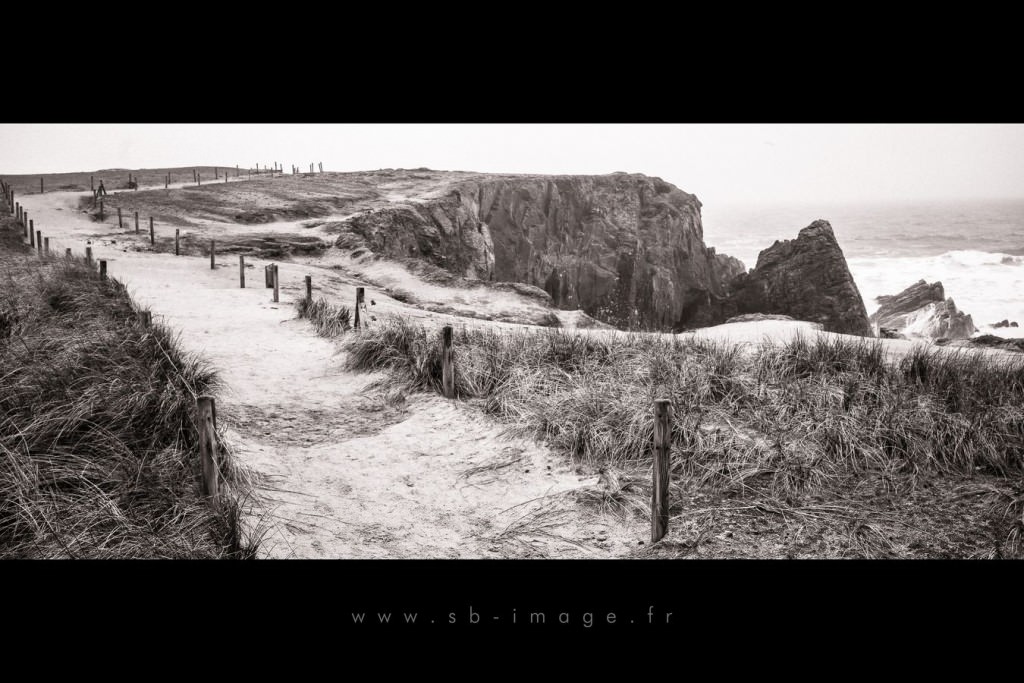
922, 311
806, 278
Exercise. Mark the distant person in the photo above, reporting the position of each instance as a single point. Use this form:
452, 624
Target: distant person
102, 190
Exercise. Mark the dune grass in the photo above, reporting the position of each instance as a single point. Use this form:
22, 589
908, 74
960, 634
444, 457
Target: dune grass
98, 447
823, 431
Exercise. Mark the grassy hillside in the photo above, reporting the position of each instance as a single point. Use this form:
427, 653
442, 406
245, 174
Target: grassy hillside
815, 448
98, 448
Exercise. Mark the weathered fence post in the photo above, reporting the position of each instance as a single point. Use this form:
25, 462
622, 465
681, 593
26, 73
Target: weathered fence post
101, 209
32, 233
216, 176
277, 284
46, 246
40, 186
662, 444
195, 176
103, 269
309, 289
206, 419
268, 275
92, 186
136, 222
88, 256
447, 370
199, 179
177, 236
359, 303
213, 248
39, 241
152, 233
120, 224
167, 181
241, 271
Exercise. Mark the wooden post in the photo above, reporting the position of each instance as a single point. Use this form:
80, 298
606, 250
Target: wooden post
241, 271
152, 233
167, 181
225, 176
39, 241
662, 444
92, 185
447, 370
40, 186
277, 284
136, 222
309, 289
359, 303
119, 223
101, 209
177, 233
103, 269
206, 421
67, 253
213, 248
269, 275
195, 177
199, 179
32, 233
146, 318
216, 176
46, 246
88, 256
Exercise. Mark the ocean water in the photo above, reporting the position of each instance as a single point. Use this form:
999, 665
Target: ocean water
975, 248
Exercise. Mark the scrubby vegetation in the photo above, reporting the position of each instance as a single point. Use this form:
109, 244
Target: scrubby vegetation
820, 447
98, 448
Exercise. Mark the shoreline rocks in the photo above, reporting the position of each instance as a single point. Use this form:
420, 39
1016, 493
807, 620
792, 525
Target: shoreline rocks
922, 311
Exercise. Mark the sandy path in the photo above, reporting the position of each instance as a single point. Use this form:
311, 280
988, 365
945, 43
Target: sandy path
349, 474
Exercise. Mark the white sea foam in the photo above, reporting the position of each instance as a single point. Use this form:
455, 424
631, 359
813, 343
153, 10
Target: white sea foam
987, 285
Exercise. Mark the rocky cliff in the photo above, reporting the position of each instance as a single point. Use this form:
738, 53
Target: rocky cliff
923, 311
806, 278
625, 248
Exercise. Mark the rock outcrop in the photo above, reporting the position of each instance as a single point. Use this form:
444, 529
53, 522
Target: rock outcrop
627, 249
1005, 323
806, 278
922, 311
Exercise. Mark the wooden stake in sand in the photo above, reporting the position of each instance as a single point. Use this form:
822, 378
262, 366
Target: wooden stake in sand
447, 369
215, 174
101, 209
662, 443
92, 186
268, 274
277, 284
39, 241
152, 233
40, 186
359, 304
195, 176
120, 224
103, 269
167, 181
309, 289
136, 222
177, 236
46, 246
213, 248
199, 179
88, 256
32, 234
241, 271
206, 422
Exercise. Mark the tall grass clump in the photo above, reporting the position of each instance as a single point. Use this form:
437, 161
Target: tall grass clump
784, 421
328, 320
98, 445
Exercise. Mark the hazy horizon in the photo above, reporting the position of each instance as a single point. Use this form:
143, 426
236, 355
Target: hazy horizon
722, 164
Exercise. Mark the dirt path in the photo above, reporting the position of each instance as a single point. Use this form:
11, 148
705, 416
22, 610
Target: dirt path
349, 473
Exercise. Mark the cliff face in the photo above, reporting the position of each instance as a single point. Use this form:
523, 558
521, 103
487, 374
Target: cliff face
922, 310
626, 248
806, 278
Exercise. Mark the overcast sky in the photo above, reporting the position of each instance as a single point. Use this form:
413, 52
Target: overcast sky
720, 163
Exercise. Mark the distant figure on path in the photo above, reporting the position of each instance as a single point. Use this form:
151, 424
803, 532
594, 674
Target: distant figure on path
102, 190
